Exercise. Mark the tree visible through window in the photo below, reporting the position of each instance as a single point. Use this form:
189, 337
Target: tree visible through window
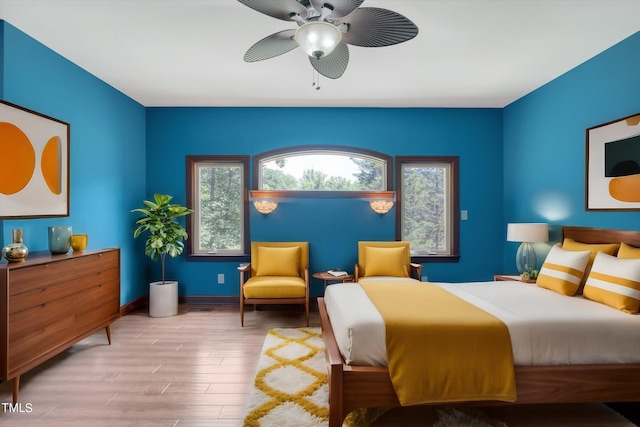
321, 169
217, 186
428, 204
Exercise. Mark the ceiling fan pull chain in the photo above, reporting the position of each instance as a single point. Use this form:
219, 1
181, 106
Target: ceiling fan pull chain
315, 76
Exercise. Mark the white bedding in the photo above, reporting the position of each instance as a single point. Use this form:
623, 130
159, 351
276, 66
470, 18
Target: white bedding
546, 328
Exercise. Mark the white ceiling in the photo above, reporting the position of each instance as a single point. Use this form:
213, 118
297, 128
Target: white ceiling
469, 53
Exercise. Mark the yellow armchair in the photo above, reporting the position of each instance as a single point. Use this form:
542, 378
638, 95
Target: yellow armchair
388, 259
278, 274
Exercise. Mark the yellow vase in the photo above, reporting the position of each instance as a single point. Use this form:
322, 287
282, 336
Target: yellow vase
79, 242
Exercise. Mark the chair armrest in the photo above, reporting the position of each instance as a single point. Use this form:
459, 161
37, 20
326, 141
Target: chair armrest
243, 269
418, 270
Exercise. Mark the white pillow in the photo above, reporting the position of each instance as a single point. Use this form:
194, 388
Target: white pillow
614, 282
562, 270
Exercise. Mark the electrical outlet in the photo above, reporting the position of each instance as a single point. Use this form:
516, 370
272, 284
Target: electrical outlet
464, 215
220, 279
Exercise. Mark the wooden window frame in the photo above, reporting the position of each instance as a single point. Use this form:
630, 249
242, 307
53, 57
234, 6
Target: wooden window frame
322, 194
192, 161
454, 215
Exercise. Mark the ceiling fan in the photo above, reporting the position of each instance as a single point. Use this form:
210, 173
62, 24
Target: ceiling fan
325, 28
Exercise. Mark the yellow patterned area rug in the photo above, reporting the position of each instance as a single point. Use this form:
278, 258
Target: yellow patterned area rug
291, 387
291, 390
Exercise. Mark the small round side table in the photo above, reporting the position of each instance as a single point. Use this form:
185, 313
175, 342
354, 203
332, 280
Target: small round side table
328, 277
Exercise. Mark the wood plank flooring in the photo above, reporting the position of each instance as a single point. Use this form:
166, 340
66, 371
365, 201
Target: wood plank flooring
194, 369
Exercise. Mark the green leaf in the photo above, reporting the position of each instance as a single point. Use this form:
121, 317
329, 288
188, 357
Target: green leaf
165, 235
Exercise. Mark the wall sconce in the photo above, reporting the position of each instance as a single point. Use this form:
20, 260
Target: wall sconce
383, 201
381, 206
264, 201
265, 207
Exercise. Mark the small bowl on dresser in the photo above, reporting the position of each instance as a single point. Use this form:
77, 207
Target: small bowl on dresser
79, 242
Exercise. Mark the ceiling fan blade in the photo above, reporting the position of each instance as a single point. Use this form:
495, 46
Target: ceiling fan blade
340, 7
376, 27
281, 9
334, 64
271, 46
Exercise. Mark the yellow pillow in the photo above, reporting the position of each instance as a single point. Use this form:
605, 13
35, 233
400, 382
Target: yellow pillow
614, 282
607, 248
385, 262
562, 270
628, 252
274, 261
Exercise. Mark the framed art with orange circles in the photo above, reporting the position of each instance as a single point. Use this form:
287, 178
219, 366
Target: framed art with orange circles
34, 164
612, 180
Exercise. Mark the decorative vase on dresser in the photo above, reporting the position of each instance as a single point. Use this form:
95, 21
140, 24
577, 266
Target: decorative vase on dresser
59, 236
16, 251
79, 242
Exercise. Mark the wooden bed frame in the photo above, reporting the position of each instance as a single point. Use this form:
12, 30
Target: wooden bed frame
353, 387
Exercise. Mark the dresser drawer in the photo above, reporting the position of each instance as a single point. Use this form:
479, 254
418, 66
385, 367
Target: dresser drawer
39, 276
35, 331
99, 308
66, 286
60, 271
95, 263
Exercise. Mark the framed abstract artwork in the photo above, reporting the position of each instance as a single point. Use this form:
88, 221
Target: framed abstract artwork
613, 166
34, 164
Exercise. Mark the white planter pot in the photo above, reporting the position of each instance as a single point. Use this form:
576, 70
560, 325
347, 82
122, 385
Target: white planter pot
163, 299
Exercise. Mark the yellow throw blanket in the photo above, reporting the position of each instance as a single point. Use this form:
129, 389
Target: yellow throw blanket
441, 348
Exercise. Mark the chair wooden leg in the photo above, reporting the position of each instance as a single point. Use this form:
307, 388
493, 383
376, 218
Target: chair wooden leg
241, 310
307, 309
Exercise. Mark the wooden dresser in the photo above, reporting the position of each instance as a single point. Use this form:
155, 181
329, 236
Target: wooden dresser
50, 302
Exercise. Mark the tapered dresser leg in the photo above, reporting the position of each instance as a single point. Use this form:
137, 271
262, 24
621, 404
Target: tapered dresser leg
16, 387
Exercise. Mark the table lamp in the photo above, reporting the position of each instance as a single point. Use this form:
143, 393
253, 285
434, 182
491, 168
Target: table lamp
527, 233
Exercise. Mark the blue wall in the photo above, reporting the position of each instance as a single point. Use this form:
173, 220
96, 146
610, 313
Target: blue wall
545, 142
107, 150
333, 226
518, 164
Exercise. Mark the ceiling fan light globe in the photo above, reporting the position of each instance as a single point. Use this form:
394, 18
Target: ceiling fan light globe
318, 39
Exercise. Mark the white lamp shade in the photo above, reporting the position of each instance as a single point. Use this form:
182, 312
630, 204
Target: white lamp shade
318, 39
527, 232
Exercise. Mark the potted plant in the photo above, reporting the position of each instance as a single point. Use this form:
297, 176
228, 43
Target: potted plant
165, 237
530, 275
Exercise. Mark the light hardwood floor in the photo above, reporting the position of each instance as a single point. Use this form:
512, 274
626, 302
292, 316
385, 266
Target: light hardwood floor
194, 369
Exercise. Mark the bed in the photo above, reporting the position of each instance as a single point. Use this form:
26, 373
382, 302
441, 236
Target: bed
353, 386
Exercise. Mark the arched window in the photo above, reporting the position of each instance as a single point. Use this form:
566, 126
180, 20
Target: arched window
321, 171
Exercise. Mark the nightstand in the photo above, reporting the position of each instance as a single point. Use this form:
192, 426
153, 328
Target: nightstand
513, 278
